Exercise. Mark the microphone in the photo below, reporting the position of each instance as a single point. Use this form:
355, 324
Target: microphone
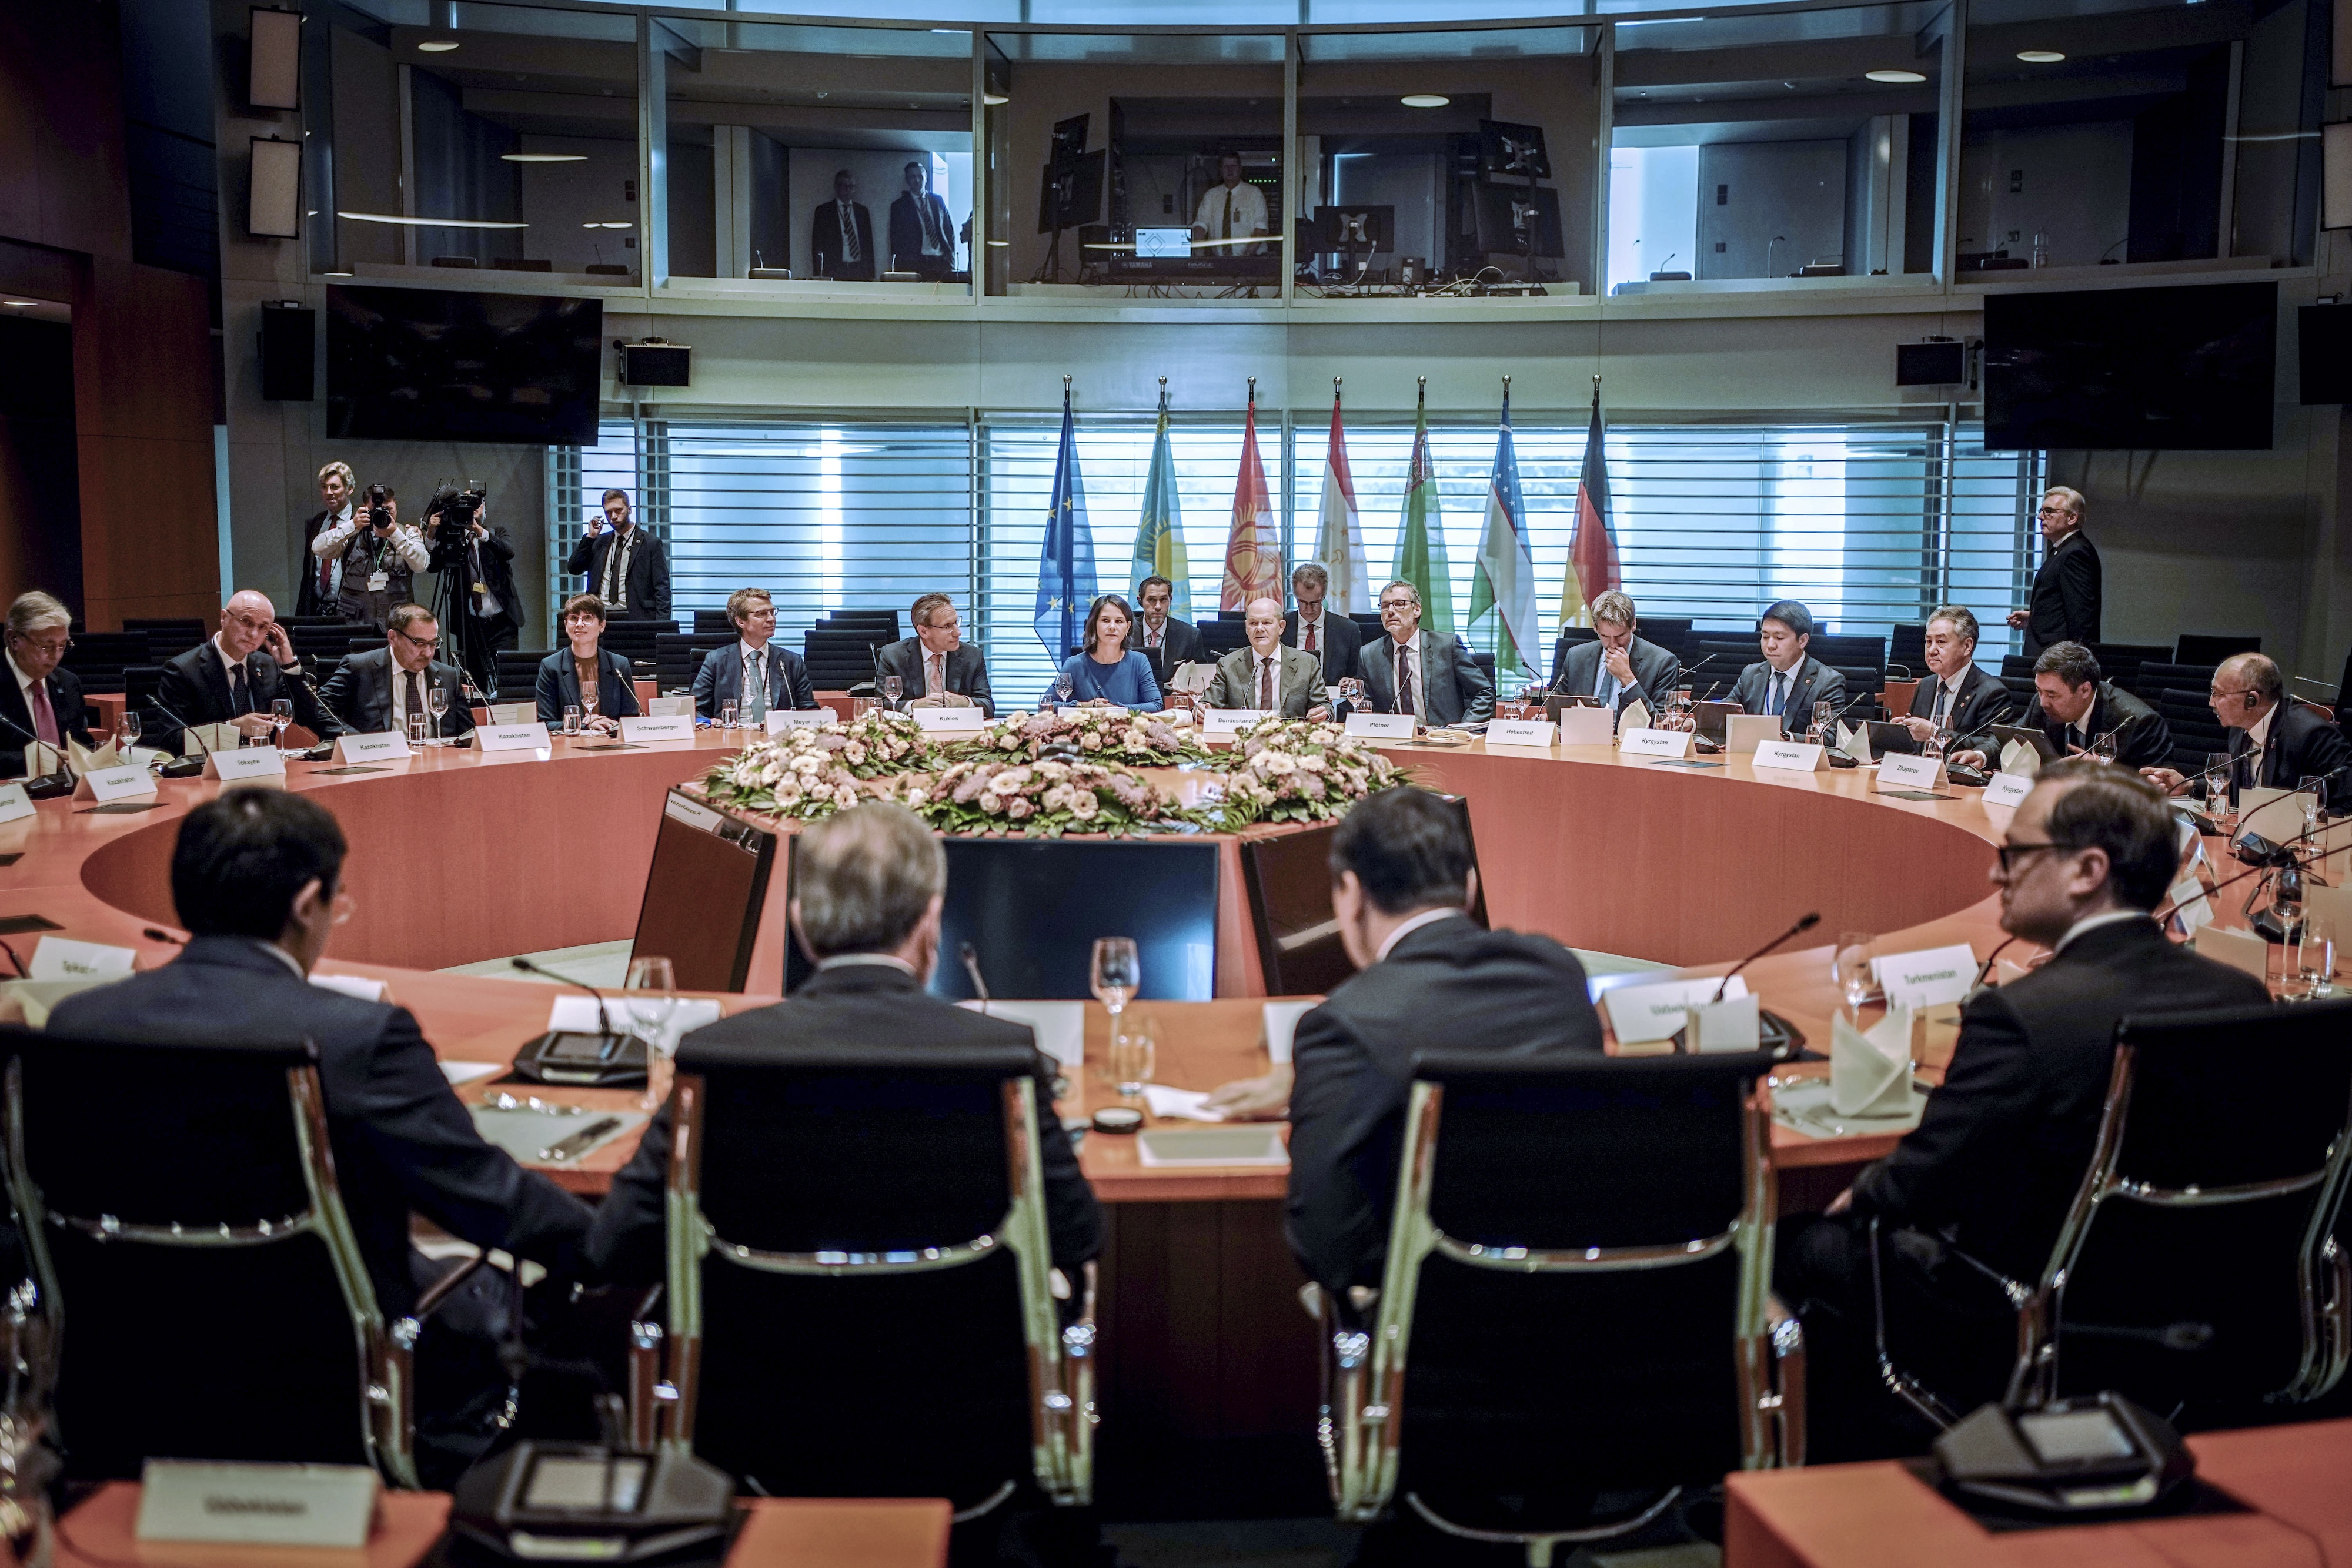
48, 786
1986, 967
971, 967
2171, 907
21, 972
604, 1017
185, 766
1805, 923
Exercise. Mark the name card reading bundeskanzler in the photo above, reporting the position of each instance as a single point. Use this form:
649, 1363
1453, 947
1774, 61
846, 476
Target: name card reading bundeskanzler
1229, 720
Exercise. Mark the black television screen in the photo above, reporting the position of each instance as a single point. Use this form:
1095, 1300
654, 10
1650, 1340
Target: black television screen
1033, 909
2131, 370
430, 364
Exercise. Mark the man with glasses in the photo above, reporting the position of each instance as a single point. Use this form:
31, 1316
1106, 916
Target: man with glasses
234, 677
383, 688
933, 667
1420, 673
2274, 744
41, 702
755, 673
1985, 1181
2063, 606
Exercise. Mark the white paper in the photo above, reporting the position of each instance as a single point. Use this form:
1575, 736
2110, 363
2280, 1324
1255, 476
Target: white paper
2239, 949
513, 713
781, 720
42, 760
105, 784
1231, 720
648, 730
459, 1073
1854, 743
530, 737
61, 958
2193, 910
1734, 1023
2020, 759
1899, 771
262, 765
1932, 976
1655, 742
1642, 1013
1382, 726
200, 740
573, 1014
1796, 756
1532, 732
1060, 1027
2008, 790
2274, 814
358, 986
386, 747
1870, 1074
15, 804
1281, 1023
1587, 726
670, 707
1744, 732
950, 720
1179, 1104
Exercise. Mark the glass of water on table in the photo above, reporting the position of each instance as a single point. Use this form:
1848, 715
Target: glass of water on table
1117, 975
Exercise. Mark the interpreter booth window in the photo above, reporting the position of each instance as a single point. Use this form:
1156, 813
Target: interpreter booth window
1799, 145
487, 138
807, 159
1136, 165
1431, 162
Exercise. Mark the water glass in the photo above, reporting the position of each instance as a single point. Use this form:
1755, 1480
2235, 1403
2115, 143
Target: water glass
1825, 722
1850, 970
727, 715
651, 1004
1064, 688
861, 706
2103, 747
1351, 692
126, 732
571, 718
1118, 974
1133, 1054
281, 711
2217, 784
416, 729
2315, 956
2313, 788
893, 689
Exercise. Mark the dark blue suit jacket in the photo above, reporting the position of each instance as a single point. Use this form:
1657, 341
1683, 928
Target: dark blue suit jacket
401, 1139
559, 685
721, 679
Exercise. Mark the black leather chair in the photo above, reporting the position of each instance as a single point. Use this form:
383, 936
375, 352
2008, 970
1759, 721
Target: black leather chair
2156, 679
859, 1301
2196, 649
678, 656
1574, 1304
518, 671
98, 658
1220, 637
200, 1306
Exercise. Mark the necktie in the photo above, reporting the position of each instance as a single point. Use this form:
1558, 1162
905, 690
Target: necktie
849, 231
415, 696
1942, 693
239, 704
45, 718
616, 572
1778, 701
327, 564
1404, 680
1150, 635
936, 682
1228, 232
1308, 627
1264, 683
755, 686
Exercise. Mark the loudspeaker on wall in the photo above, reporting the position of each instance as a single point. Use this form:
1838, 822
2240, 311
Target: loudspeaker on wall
274, 79
273, 189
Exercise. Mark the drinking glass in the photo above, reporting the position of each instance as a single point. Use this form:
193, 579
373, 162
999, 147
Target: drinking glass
571, 719
893, 689
1117, 975
860, 706
651, 1005
1351, 692
2315, 956
126, 732
2217, 784
281, 711
2103, 747
2313, 788
1063, 688
1849, 969
416, 729
1133, 1054
437, 700
727, 715
1824, 721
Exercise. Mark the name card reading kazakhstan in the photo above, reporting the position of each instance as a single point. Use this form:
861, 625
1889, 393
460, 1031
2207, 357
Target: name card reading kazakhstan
130, 782
512, 738
389, 745
1654, 743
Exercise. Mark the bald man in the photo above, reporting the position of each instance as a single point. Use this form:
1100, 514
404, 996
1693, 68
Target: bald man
2274, 744
234, 676
1266, 676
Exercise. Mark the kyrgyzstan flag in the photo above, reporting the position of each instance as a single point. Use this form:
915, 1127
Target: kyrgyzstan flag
1592, 566
1253, 548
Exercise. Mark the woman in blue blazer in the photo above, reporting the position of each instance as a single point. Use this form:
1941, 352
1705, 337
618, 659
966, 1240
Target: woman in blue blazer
613, 694
1105, 669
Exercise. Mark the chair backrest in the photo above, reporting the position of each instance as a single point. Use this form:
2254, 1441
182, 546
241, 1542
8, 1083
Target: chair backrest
885, 621
194, 1243
892, 1201
2194, 648
1851, 650
98, 658
714, 621
1220, 637
2195, 733
2155, 676
2196, 1264
1906, 645
517, 673
1671, 633
677, 655
634, 640
839, 657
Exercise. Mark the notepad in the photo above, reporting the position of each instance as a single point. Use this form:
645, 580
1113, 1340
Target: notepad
1163, 1147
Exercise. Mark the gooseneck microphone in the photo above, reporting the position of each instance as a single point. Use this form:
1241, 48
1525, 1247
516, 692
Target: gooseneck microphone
971, 967
1986, 967
48, 786
185, 766
604, 1018
1804, 924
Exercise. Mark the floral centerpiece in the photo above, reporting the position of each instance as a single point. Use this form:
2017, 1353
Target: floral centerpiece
882, 743
1039, 799
1131, 738
802, 773
1294, 770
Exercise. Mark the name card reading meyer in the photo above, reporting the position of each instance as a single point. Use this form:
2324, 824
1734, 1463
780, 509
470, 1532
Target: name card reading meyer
62, 958
512, 738
1382, 726
1520, 732
1794, 756
130, 782
262, 767
1896, 772
2008, 790
950, 720
1229, 720
1654, 743
640, 731
1928, 978
1641, 1013
781, 720
387, 745
15, 804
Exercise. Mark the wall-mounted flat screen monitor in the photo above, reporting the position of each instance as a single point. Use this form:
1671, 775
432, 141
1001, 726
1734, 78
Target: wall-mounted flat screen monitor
703, 894
1512, 151
1032, 909
431, 364
1288, 879
2131, 370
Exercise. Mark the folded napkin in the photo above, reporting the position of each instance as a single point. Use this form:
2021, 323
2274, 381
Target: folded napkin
1174, 1103
2019, 758
1636, 717
1870, 1074
1854, 743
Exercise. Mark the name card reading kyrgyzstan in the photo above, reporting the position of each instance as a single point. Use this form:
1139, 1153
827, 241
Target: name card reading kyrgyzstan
1896, 772
1382, 726
639, 731
1794, 756
130, 782
1640, 1013
512, 738
1521, 732
1654, 743
62, 958
948, 720
254, 764
256, 1505
389, 745
1930, 978
1231, 721
15, 804
2008, 790
781, 720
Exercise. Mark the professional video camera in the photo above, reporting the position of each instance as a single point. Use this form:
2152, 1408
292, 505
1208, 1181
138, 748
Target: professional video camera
449, 519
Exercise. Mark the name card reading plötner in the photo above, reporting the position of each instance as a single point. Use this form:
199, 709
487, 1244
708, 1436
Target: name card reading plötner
1382, 726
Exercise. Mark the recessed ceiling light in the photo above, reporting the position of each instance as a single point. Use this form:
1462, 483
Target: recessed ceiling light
994, 98
1894, 76
1424, 101
543, 157
626, 224
436, 46
344, 274
2039, 57
428, 222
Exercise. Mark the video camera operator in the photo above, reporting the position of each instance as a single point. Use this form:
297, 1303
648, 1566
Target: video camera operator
380, 558
477, 600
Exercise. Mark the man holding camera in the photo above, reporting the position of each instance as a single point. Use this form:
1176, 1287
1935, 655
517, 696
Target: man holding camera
380, 558
476, 566
622, 564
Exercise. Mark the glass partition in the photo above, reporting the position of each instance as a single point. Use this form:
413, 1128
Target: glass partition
1436, 162
820, 158
1796, 145
1136, 165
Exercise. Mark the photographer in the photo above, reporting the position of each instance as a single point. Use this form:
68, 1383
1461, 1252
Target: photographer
380, 558
476, 563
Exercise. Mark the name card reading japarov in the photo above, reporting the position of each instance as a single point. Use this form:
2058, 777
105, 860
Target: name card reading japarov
1382, 726
1900, 772
512, 738
1654, 743
1520, 732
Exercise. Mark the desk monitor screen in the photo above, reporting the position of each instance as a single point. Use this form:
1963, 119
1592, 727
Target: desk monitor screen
1079, 190
703, 894
1512, 220
1506, 149
1176, 242
1288, 879
1032, 909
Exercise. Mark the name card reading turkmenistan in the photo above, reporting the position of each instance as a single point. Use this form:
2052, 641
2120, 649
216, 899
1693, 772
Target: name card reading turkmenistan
1640, 1013
948, 720
1521, 732
512, 738
1382, 726
257, 1505
1229, 720
129, 783
641, 731
1655, 742
1928, 978
2008, 790
1792, 756
261, 767
1896, 772
15, 804
781, 720
62, 958
386, 745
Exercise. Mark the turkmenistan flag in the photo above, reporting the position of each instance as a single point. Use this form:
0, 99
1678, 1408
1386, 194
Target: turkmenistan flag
1160, 532
1505, 579
1420, 551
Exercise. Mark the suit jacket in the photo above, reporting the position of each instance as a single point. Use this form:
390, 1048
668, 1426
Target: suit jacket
495, 552
401, 1140
1656, 673
2063, 606
966, 671
2146, 740
195, 687
1450, 983
1813, 682
907, 235
721, 679
306, 600
1299, 681
2300, 745
1458, 690
824, 242
1179, 642
872, 1008
559, 685
1341, 641
361, 692
1983, 703
65, 701
2002, 1145
647, 583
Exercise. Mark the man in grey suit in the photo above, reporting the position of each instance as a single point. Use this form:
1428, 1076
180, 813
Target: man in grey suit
1618, 667
1266, 676
1788, 681
1420, 673
933, 667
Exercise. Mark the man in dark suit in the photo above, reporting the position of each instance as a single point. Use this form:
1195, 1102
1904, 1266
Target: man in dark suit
1420, 673
841, 233
322, 578
1266, 676
40, 701
1160, 635
2275, 742
378, 690
867, 885
772, 674
1988, 1176
933, 667
477, 562
622, 564
234, 676
2063, 606
1962, 702
1617, 666
1314, 628
1789, 681
2074, 708
256, 879
922, 236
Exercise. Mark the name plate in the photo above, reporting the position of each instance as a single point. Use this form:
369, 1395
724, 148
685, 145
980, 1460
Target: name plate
1734, 1023
512, 738
2191, 908
1796, 756
1656, 743
1587, 726
513, 713
1641, 1013
1521, 732
130, 782
1930, 978
15, 804
1900, 772
62, 958
781, 720
677, 807
259, 764
356, 985
670, 707
257, 1505
1234, 720
2008, 790
948, 720
1382, 726
386, 745
639, 731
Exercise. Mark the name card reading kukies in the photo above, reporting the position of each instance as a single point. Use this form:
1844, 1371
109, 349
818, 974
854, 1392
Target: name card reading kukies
512, 738
948, 720
1655, 742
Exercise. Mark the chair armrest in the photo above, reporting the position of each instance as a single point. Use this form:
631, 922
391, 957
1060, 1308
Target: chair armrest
647, 1393
442, 1289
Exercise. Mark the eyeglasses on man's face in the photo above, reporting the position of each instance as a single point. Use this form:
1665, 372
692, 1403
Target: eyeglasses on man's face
431, 645
2009, 854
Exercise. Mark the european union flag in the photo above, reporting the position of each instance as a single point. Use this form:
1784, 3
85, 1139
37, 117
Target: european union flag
1065, 569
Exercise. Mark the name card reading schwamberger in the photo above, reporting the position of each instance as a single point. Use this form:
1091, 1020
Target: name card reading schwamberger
1641, 1013
1654, 743
948, 720
262, 767
1382, 726
388, 746
511, 737
1521, 732
1930, 978
1794, 756
640, 731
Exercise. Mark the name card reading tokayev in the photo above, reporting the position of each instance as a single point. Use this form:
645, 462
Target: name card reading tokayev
640, 731
255, 765
1930, 978
130, 782
1382, 726
948, 720
1642, 1013
1656, 743
1521, 732
1793, 756
512, 738
2008, 790
387, 745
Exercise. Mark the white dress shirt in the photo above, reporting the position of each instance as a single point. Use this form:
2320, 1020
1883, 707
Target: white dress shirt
2258, 739
2092, 922
1413, 663
1426, 917
613, 587
1232, 213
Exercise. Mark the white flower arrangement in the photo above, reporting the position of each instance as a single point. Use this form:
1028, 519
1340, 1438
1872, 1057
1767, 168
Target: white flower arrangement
1294, 770
1040, 800
1131, 738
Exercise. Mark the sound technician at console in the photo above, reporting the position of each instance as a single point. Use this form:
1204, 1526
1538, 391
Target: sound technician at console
1231, 211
